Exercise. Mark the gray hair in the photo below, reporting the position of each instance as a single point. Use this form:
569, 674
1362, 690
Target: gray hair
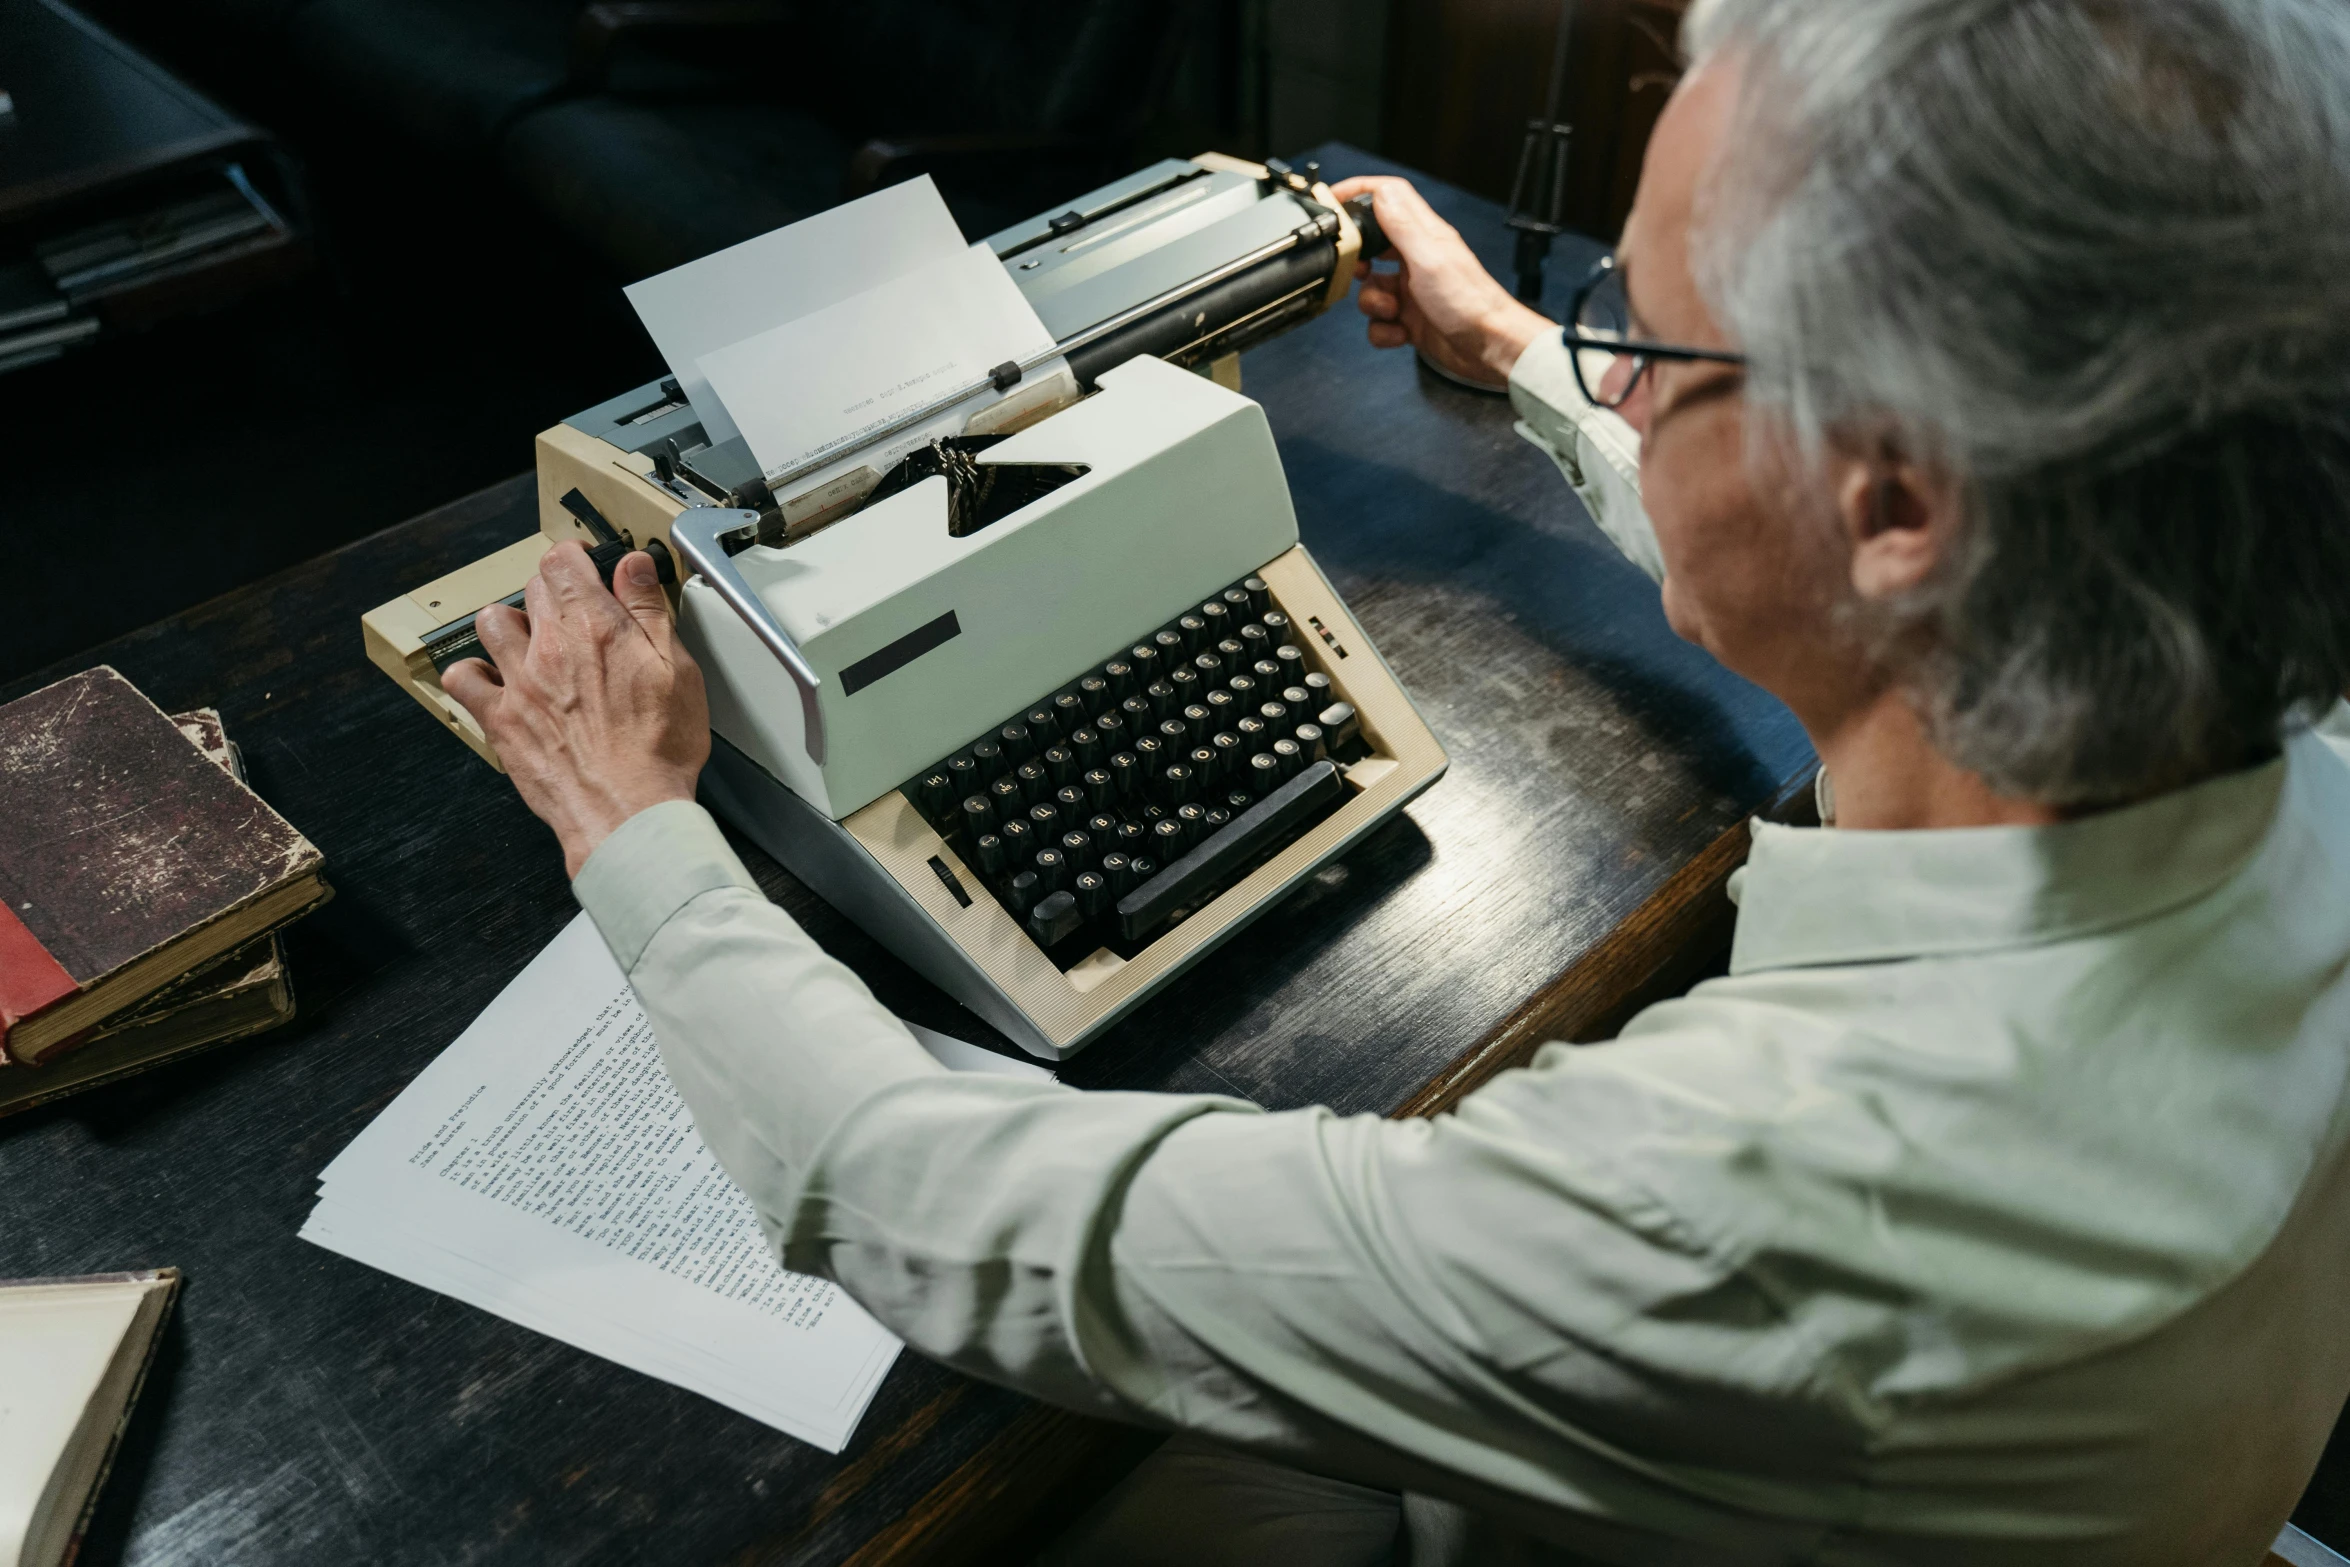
2090, 258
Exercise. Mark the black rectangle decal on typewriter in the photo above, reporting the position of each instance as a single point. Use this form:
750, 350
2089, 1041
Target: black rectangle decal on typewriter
899, 654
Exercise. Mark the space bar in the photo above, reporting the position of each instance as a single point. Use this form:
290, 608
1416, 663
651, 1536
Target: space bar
1199, 875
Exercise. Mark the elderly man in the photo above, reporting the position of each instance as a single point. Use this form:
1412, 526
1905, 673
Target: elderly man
1985, 368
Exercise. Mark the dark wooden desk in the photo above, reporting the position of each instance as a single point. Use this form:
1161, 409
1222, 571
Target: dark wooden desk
308, 1409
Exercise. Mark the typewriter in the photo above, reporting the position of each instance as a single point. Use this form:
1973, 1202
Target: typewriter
1052, 705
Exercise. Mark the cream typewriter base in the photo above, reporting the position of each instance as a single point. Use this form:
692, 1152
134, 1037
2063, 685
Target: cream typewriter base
874, 866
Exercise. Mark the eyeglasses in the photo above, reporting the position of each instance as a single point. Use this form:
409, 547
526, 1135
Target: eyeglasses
1601, 320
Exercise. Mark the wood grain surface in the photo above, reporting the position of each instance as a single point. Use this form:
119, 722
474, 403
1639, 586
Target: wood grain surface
306, 1408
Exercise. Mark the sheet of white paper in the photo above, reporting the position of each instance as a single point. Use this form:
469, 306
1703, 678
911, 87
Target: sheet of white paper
747, 288
544, 1169
821, 385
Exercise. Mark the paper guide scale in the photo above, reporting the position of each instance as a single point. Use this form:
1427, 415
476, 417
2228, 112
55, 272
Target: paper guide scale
973, 538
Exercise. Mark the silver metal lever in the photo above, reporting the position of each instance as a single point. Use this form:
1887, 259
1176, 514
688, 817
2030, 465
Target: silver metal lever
696, 534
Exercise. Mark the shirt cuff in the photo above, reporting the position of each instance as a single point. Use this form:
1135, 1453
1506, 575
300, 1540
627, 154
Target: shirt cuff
656, 863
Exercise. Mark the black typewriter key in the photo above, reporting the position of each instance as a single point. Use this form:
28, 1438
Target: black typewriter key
1291, 757
988, 757
1072, 711
1052, 869
1208, 667
1176, 734
1264, 773
1194, 632
1093, 694
1311, 741
1009, 798
1138, 714
1216, 618
1243, 688
1055, 919
1168, 840
1035, 783
1198, 721
1152, 815
1144, 868
934, 794
1217, 817
1112, 728
1151, 752
1238, 800
1017, 742
1237, 602
1275, 715
1229, 749
1277, 623
1093, 893
1253, 734
1207, 765
1060, 764
1260, 597
988, 850
1258, 641
1118, 675
1019, 840
1318, 683
1044, 725
1177, 783
1292, 662
1118, 871
1161, 697
1146, 661
965, 773
1101, 790
1187, 686
1234, 653
1339, 722
1298, 697
1194, 817
1269, 674
1126, 769
1170, 645
1103, 827
1077, 848
1021, 891
1046, 819
1072, 802
1086, 746
979, 814
1222, 708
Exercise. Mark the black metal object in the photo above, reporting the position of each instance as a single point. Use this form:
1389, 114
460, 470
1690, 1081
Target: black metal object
1538, 191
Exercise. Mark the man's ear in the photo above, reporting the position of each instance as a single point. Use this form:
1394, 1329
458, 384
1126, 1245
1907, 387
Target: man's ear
1898, 521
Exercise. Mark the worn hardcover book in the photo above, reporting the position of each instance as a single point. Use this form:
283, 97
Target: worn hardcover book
233, 997
73, 1355
128, 859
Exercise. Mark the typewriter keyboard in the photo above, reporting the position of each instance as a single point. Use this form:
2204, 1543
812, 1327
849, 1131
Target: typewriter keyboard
1104, 811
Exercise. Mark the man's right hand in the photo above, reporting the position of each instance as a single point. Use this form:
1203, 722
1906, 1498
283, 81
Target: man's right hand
1442, 302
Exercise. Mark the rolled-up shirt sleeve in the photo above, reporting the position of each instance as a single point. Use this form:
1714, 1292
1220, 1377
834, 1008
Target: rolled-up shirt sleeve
1594, 448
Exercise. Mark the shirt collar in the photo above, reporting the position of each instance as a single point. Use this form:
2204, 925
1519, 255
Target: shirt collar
1813, 895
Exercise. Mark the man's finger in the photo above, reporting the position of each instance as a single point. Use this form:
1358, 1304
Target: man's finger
1386, 334
474, 686
570, 576
505, 636
637, 585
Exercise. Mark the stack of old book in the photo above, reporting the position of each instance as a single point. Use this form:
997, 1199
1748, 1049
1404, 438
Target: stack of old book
143, 888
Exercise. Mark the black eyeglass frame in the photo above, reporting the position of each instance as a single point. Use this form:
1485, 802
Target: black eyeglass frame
1641, 351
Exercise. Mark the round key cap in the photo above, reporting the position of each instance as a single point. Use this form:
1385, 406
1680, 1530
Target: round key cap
1131, 836
978, 814
1103, 827
1298, 697
988, 851
1162, 699
1318, 683
1146, 661
1152, 813
1051, 869
1101, 789
1093, 893
1077, 847
1086, 746
1237, 602
1243, 689
1045, 817
966, 775
1194, 817
1254, 736
1168, 840
1118, 871
1177, 783
936, 792
1257, 640
1138, 713
1176, 733
1170, 645
1275, 715
1234, 653
1035, 783
1118, 675
1144, 868
1187, 686
1291, 660
1311, 741
1126, 768
1260, 597
1268, 673
1072, 802
1291, 758
988, 757
1021, 891
1019, 840
1277, 623
1093, 693
1112, 727
1222, 708
1217, 619
1017, 742
1208, 667
1060, 764
1197, 724
1229, 749
1055, 919
1008, 797
1217, 817
1238, 800
1194, 632
1070, 712
1044, 725
1264, 773
1207, 765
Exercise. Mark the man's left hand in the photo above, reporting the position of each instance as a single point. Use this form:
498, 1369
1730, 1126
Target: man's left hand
594, 707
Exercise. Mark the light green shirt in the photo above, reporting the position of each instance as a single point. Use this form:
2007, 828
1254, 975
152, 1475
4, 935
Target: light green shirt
1994, 1208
